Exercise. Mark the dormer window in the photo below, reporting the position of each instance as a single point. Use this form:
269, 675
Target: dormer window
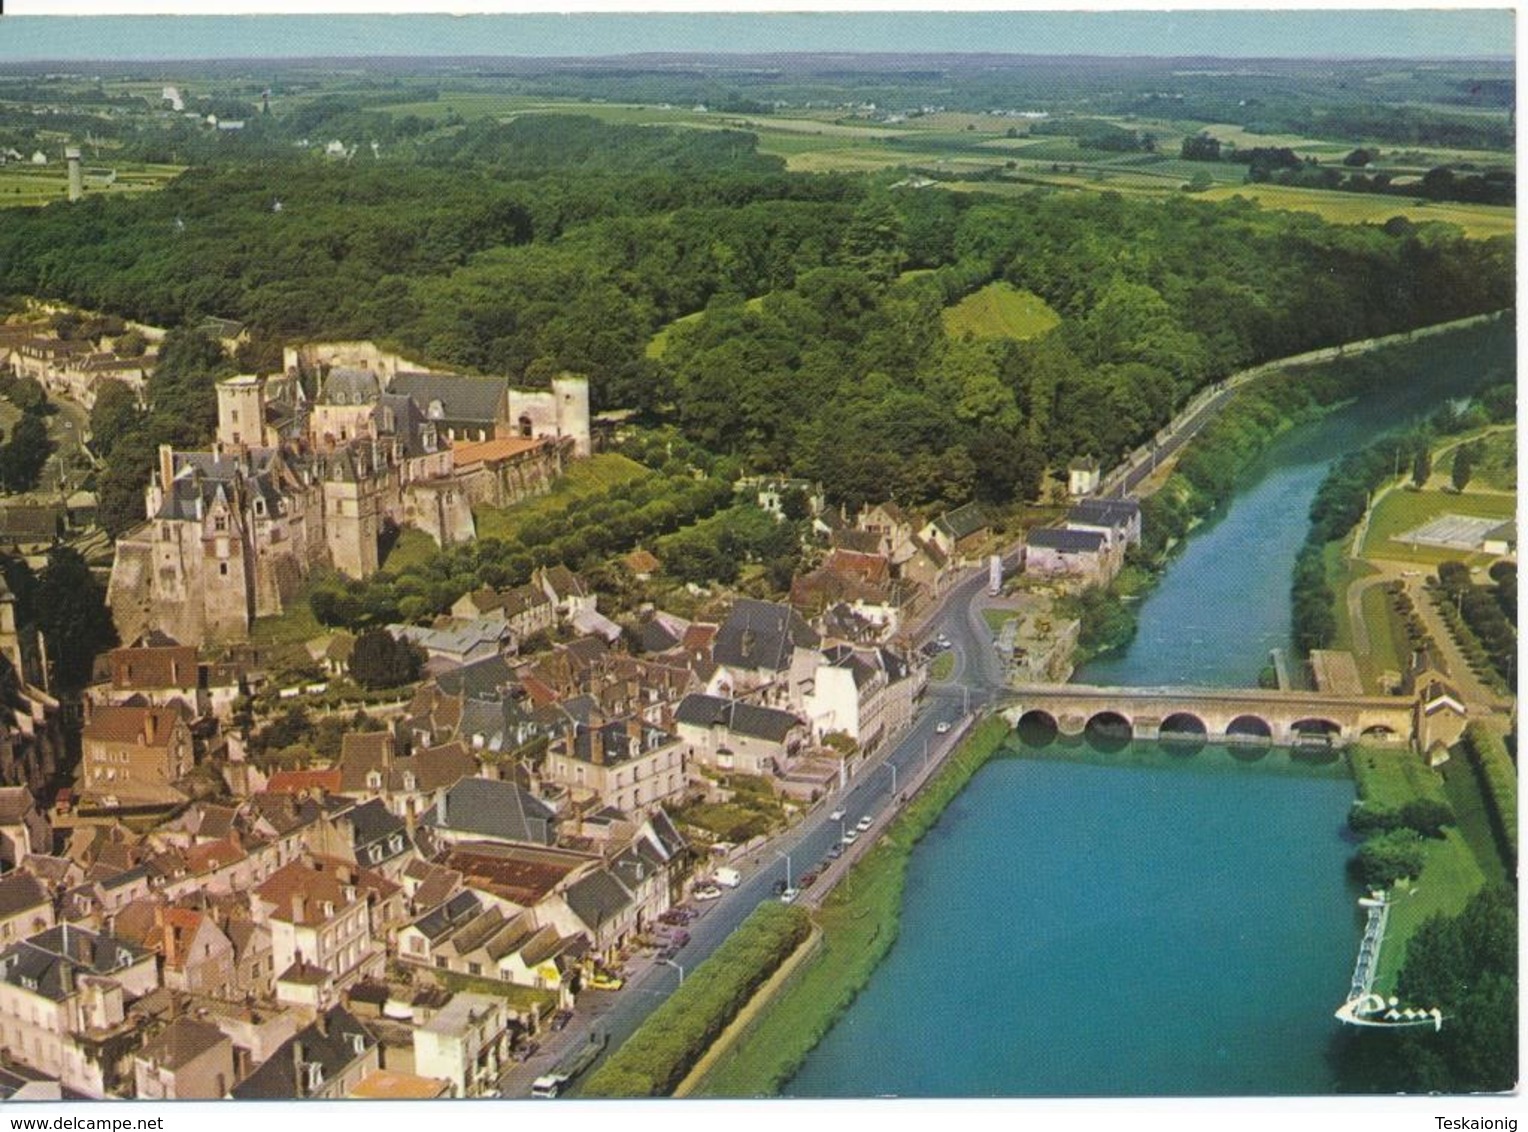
220, 523
436, 411
374, 780
315, 1076
259, 506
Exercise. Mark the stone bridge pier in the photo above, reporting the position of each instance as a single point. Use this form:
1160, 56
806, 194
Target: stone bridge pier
1222, 715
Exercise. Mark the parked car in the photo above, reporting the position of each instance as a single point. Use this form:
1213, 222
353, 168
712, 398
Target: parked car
707, 892
944, 727
835, 853
789, 895
779, 887
865, 823
527, 1051
561, 1019
603, 980
680, 937
851, 837
836, 815
807, 880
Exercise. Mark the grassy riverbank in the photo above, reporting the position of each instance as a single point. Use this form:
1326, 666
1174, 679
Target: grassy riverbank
1455, 866
859, 924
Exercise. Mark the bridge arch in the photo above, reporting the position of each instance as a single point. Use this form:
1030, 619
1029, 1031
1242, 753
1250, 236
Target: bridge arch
1314, 727
1037, 727
1183, 724
1109, 731
1249, 729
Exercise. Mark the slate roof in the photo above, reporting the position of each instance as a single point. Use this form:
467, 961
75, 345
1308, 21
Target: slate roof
597, 899
963, 521
19, 892
380, 834
488, 808
51, 962
182, 1042
761, 635
445, 918
740, 718
346, 386
467, 399
1105, 512
1068, 541
342, 1040
653, 637
488, 679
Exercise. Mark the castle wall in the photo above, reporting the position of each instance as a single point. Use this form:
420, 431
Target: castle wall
358, 355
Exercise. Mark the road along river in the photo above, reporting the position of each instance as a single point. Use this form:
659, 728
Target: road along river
1142, 922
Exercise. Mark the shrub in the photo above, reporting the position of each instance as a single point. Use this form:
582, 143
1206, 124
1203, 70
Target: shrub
1498, 780
656, 1058
1389, 857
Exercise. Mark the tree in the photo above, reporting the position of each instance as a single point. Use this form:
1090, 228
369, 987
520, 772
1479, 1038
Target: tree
1389, 857
1465, 457
1421, 467
22, 458
1427, 816
114, 414
380, 661
73, 618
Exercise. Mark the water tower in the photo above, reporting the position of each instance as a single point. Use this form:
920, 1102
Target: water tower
76, 175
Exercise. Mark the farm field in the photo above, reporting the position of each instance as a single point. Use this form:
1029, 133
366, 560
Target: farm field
1000, 310
25, 185
1479, 220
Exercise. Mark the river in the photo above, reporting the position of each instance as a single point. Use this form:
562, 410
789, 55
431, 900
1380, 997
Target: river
1143, 922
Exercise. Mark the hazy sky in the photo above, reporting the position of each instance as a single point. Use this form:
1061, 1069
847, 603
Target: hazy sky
1243, 33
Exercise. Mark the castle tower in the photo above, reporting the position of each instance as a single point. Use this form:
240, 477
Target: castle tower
572, 394
76, 175
241, 413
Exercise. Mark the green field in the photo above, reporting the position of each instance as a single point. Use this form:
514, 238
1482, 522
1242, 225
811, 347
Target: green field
583, 478
1478, 220
1402, 511
23, 185
1000, 310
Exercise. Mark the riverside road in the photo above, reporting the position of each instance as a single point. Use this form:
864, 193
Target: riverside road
976, 677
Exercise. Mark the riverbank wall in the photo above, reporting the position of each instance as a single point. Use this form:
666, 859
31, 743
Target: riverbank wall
859, 925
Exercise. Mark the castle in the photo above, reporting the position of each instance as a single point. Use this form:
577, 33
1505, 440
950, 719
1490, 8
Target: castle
299, 480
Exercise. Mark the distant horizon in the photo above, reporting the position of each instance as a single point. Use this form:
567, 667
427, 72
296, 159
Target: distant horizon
1484, 35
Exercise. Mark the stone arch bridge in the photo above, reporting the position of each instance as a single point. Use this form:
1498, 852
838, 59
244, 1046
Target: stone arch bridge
1222, 715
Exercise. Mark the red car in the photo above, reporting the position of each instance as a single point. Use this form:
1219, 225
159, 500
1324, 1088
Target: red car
807, 880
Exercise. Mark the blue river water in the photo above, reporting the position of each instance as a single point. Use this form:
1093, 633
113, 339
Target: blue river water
1143, 922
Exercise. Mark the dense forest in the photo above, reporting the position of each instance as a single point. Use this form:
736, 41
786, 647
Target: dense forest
560, 243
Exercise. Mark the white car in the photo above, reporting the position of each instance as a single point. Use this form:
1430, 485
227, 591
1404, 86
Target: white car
789, 895
865, 823
707, 892
944, 727
851, 837
836, 815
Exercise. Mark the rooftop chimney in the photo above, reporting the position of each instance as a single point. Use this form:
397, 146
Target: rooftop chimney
596, 746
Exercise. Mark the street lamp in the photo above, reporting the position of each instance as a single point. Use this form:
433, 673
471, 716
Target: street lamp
676, 966
787, 856
893, 775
